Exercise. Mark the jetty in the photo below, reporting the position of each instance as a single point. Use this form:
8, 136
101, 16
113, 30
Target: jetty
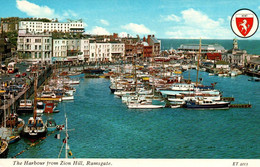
240, 106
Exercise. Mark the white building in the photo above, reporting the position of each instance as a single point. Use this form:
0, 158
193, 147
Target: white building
40, 27
117, 51
67, 50
35, 47
84, 48
59, 49
106, 52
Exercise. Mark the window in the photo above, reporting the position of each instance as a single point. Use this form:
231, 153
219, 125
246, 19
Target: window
40, 55
38, 40
35, 47
40, 47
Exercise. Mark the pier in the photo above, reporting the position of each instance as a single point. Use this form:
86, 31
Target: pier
240, 106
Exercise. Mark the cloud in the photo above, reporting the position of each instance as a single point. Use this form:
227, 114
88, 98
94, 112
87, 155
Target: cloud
137, 28
197, 24
197, 19
99, 31
85, 24
229, 18
34, 10
171, 17
69, 13
104, 22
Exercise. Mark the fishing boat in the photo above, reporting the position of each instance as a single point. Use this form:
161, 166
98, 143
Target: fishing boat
50, 108
206, 104
3, 148
14, 122
51, 125
35, 128
12, 127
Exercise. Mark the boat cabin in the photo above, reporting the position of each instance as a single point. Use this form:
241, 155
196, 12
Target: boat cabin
49, 107
39, 122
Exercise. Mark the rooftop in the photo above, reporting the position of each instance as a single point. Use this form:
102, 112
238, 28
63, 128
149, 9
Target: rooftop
203, 47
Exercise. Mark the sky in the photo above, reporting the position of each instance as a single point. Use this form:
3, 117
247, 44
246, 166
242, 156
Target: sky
189, 19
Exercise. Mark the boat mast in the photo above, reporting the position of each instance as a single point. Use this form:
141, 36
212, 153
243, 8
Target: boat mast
198, 65
35, 97
4, 113
66, 138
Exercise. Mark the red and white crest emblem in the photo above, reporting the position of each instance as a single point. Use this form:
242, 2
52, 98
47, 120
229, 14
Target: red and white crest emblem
244, 23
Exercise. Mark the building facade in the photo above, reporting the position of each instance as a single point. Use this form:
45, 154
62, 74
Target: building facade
40, 26
106, 51
235, 55
35, 47
84, 48
9, 24
155, 43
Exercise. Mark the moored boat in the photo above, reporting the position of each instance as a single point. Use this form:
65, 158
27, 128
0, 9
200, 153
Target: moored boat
40, 107
25, 106
3, 148
13, 139
35, 128
206, 104
51, 124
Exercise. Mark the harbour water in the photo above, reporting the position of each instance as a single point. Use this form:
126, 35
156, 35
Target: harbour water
251, 46
101, 126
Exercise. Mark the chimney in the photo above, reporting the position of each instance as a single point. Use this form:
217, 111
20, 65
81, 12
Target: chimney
148, 39
115, 35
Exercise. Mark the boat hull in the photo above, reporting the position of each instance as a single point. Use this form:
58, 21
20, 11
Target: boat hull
144, 106
4, 150
14, 139
25, 110
34, 135
207, 106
